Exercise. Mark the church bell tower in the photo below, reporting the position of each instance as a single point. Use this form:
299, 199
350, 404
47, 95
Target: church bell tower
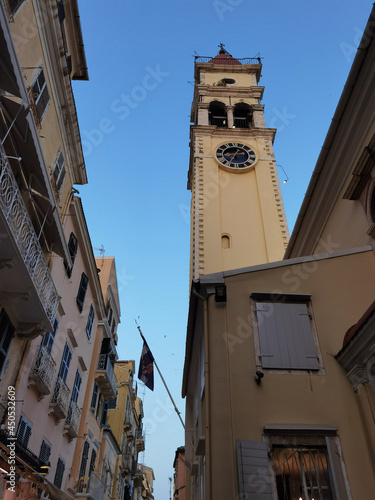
237, 213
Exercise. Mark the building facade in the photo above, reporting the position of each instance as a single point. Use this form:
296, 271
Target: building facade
279, 364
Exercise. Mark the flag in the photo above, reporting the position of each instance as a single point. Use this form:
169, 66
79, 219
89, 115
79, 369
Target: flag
146, 367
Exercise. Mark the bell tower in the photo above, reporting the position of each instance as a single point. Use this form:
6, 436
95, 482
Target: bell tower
237, 213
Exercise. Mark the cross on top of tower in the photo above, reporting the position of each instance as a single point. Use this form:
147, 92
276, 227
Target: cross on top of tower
222, 50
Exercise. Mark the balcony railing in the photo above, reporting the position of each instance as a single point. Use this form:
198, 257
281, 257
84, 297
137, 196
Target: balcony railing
245, 60
72, 420
19, 224
43, 371
105, 377
91, 488
59, 404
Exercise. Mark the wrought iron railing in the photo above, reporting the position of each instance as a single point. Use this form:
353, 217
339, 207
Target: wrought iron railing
240, 122
219, 121
21, 452
105, 364
22, 229
43, 370
60, 398
245, 60
73, 418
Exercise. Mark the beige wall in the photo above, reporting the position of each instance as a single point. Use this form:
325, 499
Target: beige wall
239, 408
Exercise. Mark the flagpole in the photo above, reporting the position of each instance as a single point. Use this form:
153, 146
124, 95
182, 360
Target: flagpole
165, 385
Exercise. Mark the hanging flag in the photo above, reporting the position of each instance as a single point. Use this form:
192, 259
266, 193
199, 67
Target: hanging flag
146, 367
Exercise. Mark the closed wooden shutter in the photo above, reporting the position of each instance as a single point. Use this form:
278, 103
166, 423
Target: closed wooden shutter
45, 452
285, 336
85, 457
23, 432
65, 363
60, 468
254, 474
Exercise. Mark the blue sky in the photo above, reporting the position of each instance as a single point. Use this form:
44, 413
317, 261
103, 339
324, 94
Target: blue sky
134, 116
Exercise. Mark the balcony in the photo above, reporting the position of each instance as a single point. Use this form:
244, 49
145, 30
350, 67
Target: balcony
42, 372
139, 440
24, 271
93, 489
105, 377
59, 403
72, 421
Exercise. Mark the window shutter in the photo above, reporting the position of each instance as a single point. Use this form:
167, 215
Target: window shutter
285, 336
45, 452
85, 457
65, 362
92, 461
82, 291
60, 468
76, 387
90, 321
94, 396
24, 432
253, 470
49, 337
335, 470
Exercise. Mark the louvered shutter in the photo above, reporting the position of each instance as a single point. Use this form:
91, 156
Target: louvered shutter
254, 473
65, 362
23, 432
82, 291
85, 457
45, 452
59, 474
285, 336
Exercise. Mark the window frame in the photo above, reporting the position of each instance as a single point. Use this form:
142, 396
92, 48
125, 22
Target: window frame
45, 451
73, 250
42, 90
59, 170
289, 299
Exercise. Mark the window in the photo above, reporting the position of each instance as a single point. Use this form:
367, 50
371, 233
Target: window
90, 321
242, 115
103, 420
45, 452
40, 94
76, 387
49, 337
14, 5
82, 291
73, 248
85, 457
23, 432
6, 336
99, 406
113, 326
94, 396
286, 339
59, 171
92, 461
112, 403
217, 114
60, 468
296, 466
109, 314
65, 362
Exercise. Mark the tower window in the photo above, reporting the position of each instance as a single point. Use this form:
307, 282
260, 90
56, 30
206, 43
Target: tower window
217, 114
225, 241
242, 115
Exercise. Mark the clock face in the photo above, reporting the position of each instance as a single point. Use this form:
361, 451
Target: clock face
235, 155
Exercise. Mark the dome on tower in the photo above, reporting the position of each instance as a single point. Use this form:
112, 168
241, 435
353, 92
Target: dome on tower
224, 57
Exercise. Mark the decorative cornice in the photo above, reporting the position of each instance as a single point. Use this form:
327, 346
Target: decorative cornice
357, 375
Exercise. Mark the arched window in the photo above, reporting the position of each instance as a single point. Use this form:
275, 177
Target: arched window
217, 114
225, 241
242, 115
